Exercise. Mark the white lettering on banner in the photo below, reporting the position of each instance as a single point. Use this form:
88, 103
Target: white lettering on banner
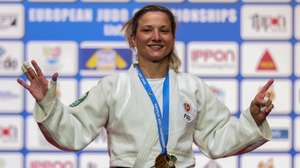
50, 164
112, 15
206, 15
60, 15
112, 30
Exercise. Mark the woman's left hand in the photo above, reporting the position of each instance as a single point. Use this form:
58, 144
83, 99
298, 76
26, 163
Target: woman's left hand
262, 105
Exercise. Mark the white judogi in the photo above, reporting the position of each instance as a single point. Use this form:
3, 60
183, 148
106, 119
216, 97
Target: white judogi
121, 105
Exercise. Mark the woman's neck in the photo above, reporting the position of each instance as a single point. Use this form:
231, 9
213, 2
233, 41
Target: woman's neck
153, 69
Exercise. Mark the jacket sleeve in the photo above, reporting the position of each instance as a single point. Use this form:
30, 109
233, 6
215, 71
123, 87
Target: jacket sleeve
73, 127
219, 134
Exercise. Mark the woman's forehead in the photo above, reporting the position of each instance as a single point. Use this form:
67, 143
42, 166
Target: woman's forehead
155, 17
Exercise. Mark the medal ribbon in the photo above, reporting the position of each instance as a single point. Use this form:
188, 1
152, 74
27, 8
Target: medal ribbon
162, 122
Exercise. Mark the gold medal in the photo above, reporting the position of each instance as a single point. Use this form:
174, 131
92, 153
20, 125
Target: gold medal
165, 161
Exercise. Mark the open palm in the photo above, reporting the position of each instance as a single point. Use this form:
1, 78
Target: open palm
38, 85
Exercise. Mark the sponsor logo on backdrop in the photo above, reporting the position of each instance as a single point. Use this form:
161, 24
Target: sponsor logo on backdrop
297, 135
263, 1
104, 58
297, 22
266, 161
8, 21
266, 63
11, 21
280, 134
10, 132
11, 55
266, 59
266, 164
48, 160
213, 1
88, 160
159, 1
9, 0
297, 96
204, 162
211, 59
11, 160
5, 95
51, 0
54, 164
54, 56
212, 164
11, 96
297, 59
297, 158
266, 22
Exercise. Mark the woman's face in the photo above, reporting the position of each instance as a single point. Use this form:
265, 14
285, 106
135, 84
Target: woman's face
154, 39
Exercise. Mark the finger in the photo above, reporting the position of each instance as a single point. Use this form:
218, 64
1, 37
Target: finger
54, 76
267, 102
268, 109
266, 86
37, 68
31, 74
260, 100
23, 83
25, 68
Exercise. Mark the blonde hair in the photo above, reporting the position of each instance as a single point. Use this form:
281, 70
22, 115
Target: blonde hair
130, 28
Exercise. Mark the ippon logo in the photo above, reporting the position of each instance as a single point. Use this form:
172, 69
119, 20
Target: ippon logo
268, 23
208, 55
7, 21
51, 164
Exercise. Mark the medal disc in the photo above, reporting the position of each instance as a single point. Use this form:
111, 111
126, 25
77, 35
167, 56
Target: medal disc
165, 161
161, 161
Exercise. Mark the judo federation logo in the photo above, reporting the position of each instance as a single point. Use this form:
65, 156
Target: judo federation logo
80, 100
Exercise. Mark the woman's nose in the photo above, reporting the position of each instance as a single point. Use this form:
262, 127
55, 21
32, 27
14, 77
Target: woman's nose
156, 35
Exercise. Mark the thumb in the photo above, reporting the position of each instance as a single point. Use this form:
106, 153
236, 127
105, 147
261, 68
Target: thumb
54, 77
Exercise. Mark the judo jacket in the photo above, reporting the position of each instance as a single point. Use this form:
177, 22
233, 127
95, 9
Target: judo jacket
121, 105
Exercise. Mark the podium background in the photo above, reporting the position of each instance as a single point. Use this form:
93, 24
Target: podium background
236, 46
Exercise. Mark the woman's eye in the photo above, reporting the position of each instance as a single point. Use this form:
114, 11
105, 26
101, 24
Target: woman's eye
165, 30
146, 30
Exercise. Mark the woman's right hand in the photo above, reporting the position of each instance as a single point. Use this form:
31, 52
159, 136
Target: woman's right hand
38, 85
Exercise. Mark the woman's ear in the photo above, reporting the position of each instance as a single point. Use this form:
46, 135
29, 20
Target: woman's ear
132, 42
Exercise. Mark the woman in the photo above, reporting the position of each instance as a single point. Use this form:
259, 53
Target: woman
153, 114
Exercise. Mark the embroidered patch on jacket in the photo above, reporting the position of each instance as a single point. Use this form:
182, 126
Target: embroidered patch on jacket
80, 100
188, 116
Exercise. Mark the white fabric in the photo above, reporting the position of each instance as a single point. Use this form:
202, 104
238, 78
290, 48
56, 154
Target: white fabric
120, 104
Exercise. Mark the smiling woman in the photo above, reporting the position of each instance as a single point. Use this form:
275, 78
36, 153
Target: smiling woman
153, 113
